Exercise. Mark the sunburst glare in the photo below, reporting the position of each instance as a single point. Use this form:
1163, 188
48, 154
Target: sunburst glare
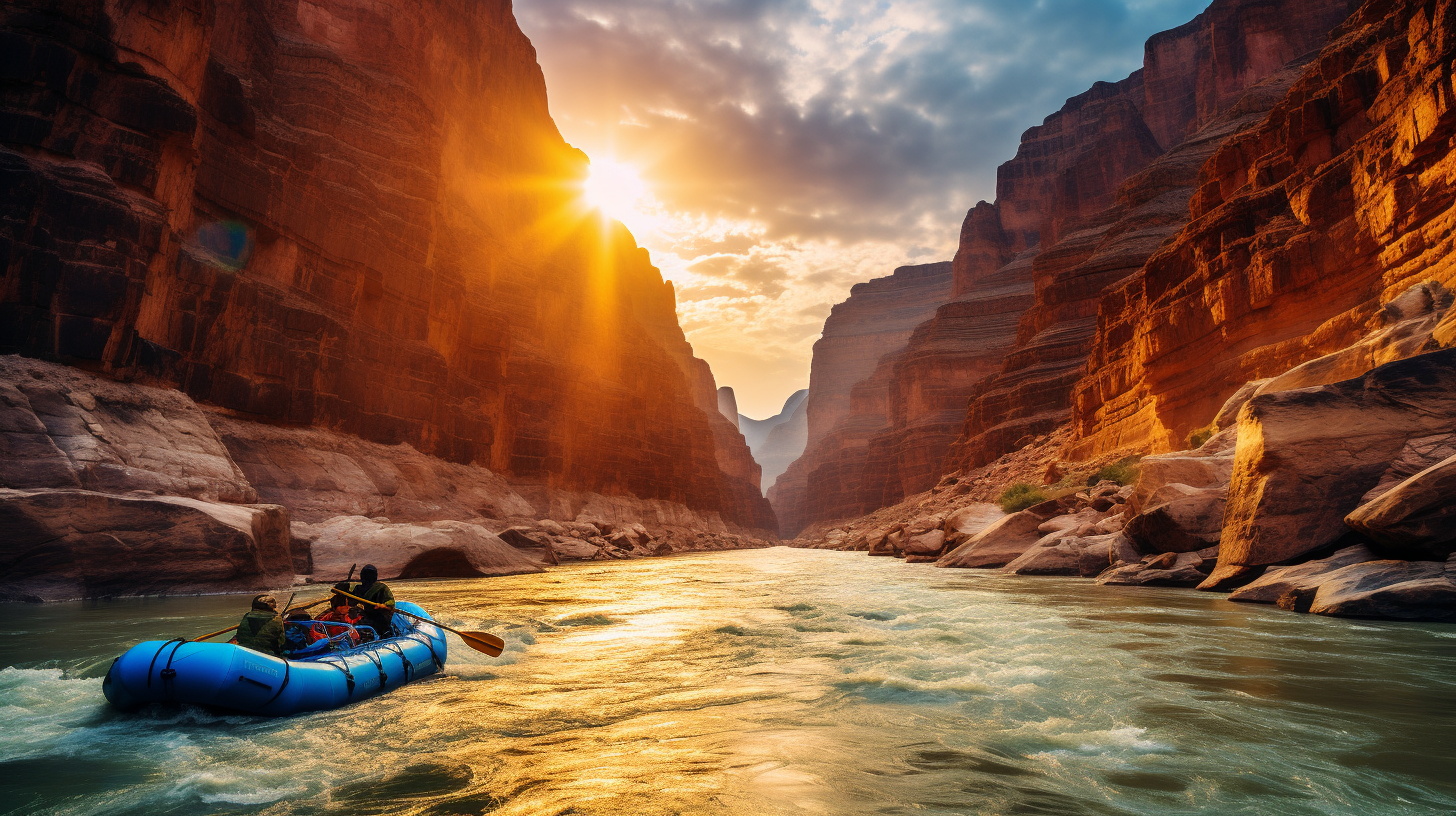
616, 189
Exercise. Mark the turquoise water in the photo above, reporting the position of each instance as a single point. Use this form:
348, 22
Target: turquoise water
772, 682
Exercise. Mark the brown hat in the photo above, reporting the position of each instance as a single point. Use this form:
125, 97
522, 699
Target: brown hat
265, 602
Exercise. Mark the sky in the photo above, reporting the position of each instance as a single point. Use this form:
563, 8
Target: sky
772, 153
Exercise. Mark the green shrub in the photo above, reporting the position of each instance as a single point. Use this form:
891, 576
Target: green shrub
1019, 497
1124, 471
1197, 437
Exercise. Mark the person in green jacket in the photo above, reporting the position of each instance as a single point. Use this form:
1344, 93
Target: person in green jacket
376, 592
262, 629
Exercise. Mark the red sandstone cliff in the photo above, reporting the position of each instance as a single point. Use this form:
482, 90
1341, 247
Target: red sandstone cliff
357, 216
1302, 229
1101, 184
1089, 196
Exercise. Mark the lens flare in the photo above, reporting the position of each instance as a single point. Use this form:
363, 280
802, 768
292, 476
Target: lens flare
225, 244
615, 189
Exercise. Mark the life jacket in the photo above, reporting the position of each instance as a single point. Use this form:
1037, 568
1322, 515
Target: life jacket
343, 619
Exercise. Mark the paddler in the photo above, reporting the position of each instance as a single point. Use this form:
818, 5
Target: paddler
376, 592
262, 629
343, 611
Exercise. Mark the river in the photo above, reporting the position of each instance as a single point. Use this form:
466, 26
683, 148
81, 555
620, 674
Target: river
772, 682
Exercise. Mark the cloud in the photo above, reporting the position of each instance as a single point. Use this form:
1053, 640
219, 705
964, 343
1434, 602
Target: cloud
802, 145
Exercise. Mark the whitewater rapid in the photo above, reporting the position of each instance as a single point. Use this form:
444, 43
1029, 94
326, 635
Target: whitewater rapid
772, 682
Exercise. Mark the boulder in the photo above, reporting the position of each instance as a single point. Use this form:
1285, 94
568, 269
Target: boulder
64, 544
1209, 466
1275, 583
574, 549
1228, 415
1305, 458
1067, 555
437, 549
927, 543
1003, 541
971, 519
524, 538
1071, 521
1416, 520
923, 524
1193, 521
1417, 455
1164, 569
1401, 590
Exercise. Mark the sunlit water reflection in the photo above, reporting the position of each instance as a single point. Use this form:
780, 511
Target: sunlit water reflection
773, 682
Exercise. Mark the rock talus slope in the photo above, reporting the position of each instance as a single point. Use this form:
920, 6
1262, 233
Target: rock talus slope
354, 216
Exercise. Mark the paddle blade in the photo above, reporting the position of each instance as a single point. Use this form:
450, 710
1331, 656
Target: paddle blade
483, 642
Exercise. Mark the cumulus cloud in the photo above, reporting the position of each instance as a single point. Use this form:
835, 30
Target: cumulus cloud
794, 147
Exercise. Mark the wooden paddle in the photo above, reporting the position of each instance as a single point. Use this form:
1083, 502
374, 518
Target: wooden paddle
479, 641
283, 614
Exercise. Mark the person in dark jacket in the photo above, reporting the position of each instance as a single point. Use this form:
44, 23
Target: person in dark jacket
262, 629
376, 592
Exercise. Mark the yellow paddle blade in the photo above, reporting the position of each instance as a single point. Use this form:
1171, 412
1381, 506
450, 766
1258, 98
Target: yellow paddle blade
482, 642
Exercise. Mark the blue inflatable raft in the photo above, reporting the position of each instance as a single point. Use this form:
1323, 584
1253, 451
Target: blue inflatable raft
225, 675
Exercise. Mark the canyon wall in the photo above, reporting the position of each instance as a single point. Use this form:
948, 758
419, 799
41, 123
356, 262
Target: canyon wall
1090, 194
876, 319
1104, 182
777, 441
1303, 230
354, 216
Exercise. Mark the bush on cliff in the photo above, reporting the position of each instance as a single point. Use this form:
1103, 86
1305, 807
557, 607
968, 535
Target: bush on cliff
1019, 497
1124, 471
1198, 436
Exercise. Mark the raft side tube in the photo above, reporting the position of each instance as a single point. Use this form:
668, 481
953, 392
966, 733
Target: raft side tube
225, 675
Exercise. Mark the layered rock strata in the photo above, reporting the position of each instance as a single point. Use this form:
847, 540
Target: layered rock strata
352, 217
1090, 195
1319, 494
101, 481
1302, 230
876, 319
1101, 185
903, 415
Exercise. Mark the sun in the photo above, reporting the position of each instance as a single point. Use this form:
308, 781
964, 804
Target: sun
614, 188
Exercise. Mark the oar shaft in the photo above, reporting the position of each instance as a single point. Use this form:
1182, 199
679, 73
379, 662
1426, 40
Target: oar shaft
212, 635
467, 636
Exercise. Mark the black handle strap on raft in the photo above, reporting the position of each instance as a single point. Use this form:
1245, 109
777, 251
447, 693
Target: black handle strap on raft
343, 667
281, 686
167, 672
420, 637
378, 664
404, 661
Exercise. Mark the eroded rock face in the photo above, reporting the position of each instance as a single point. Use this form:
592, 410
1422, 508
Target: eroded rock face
317, 214
1305, 230
66, 543
1403, 590
876, 319
64, 428
352, 501
1305, 458
1417, 518
1114, 235
438, 549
